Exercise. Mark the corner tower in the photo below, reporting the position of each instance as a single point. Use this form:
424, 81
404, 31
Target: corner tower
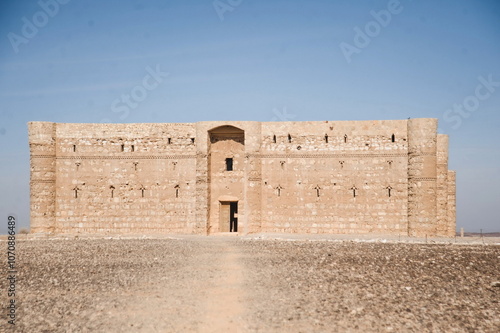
422, 170
42, 141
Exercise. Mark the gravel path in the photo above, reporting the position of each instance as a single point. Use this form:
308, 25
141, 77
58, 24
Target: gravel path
229, 284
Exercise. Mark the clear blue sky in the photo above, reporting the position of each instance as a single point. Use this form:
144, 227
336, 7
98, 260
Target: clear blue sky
257, 60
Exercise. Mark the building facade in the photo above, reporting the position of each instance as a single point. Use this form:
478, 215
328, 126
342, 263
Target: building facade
380, 177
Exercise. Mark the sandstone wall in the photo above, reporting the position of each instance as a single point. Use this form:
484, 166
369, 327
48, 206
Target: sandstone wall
125, 178
335, 177
296, 177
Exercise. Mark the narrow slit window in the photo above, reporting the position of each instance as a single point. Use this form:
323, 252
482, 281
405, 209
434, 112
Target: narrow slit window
393, 138
278, 189
345, 138
123, 148
326, 138
169, 141
192, 141
274, 138
229, 164
317, 188
74, 148
389, 191
133, 148
289, 138
354, 189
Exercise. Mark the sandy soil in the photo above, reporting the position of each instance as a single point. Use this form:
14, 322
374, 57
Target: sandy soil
251, 284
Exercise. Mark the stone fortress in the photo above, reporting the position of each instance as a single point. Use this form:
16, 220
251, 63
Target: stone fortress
380, 177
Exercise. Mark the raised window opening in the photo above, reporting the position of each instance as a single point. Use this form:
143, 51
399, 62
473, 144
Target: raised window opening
169, 141
192, 141
393, 138
274, 138
74, 148
133, 148
326, 138
123, 148
289, 138
229, 164
345, 138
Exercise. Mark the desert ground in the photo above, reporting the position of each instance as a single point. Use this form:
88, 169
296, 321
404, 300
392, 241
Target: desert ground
254, 284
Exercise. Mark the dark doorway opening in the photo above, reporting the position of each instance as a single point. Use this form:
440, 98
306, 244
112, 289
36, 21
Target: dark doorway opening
233, 217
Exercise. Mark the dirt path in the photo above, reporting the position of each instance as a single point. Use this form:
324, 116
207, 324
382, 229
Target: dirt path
224, 299
204, 295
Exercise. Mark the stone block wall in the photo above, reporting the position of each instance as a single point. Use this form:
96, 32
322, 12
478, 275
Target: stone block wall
335, 177
384, 177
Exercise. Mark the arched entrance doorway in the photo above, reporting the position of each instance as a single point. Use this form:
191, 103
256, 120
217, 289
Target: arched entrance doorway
226, 175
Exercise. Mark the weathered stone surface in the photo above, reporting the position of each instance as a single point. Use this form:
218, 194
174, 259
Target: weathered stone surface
384, 177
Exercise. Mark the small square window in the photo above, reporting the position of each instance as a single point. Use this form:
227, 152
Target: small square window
229, 164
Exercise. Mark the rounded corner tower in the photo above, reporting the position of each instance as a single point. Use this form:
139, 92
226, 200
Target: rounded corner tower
42, 142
